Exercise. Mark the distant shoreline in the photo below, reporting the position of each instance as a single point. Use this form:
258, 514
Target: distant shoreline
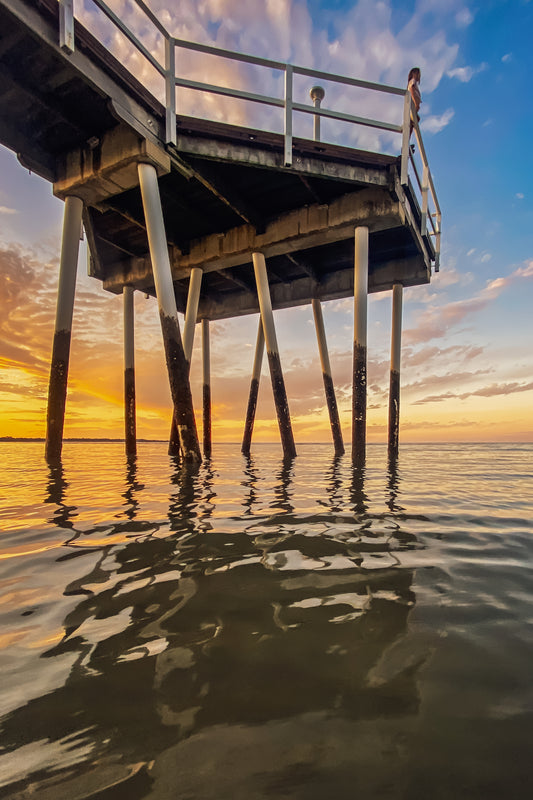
300, 444
72, 439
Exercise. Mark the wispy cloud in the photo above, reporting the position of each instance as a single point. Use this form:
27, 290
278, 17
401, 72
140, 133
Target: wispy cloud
465, 74
435, 321
464, 18
7, 210
437, 123
493, 390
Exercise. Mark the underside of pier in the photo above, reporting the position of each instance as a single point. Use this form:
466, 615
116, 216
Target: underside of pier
83, 122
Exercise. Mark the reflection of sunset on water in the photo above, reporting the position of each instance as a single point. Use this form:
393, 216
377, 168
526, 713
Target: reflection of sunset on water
263, 624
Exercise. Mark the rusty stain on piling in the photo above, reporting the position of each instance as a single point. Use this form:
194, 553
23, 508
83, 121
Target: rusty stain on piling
178, 371
174, 438
250, 417
331, 401
282, 405
129, 417
394, 412
57, 395
206, 393
359, 401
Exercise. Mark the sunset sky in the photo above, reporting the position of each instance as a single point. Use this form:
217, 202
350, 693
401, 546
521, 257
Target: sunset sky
467, 358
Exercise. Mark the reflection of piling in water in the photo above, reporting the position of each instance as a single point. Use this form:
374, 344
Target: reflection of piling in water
358, 496
334, 483
239, 628
393, 482
252, 476
281, 489
133, 486
56, 488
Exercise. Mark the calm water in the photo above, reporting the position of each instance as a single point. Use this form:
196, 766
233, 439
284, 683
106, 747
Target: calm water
263, 629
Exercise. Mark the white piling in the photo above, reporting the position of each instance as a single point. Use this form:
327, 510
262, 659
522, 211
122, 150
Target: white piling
177, 365
331, 400
57, 389
206, 394
394, 390
276, 374
129, 371
254, 389
360, 344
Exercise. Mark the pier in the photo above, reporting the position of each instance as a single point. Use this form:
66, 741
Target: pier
215, 220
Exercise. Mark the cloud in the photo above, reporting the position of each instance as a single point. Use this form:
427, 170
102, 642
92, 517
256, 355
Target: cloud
507, 57
435, 321
435, 124
455, 354
450, 276
465, 74
7, 210
519, 196
494, 390
464, 18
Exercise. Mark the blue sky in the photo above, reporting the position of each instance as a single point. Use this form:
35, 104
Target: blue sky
467, 370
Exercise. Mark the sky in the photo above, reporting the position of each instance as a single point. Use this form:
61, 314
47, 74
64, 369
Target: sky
467, 354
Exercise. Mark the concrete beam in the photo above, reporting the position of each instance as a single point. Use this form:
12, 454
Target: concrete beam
110, 168
335, 286
239, 153
311, 226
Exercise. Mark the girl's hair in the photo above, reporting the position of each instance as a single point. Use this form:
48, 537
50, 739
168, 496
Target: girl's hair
413, 72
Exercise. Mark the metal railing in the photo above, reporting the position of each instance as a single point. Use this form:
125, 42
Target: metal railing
430, 210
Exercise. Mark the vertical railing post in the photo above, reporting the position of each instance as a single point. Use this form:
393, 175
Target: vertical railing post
170, 89
406, 135
437, 243
425, 191
66, 25
288, 115
317, 94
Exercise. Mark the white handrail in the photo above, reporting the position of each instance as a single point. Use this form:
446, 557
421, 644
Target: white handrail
167, 70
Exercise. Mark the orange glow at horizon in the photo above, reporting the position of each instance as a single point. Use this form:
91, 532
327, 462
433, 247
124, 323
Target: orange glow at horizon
96, 414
